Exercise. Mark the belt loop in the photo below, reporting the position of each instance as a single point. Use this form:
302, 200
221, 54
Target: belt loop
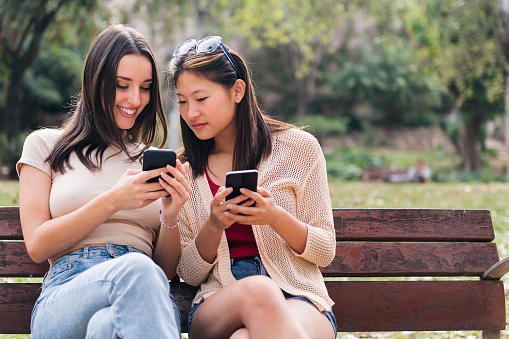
110, 250
85, 252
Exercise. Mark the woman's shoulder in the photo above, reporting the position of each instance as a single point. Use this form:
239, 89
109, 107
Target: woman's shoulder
44, 135
297, 138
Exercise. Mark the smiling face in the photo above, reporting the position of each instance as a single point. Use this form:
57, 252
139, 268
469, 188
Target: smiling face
207, 107
134, 79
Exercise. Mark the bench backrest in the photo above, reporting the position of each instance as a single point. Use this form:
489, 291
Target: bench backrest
408, 243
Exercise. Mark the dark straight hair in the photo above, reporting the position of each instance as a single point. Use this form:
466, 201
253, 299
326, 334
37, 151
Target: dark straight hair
91, 129
254, 129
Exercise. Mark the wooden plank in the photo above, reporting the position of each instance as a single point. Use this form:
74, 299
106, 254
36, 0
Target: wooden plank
379, 174
16, 304
15, 262
361, 306
365, 306
411, 259
413, 225
10, 225
364, 224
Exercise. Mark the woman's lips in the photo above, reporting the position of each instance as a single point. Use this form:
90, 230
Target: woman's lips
198, 126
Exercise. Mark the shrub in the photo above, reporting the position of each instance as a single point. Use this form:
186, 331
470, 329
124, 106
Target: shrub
323, 126
346, 164
10, 152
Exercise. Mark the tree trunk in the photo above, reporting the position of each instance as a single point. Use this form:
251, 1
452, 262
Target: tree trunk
12, 109
302, 101
468, 144
20, 60
507, 121
503, 33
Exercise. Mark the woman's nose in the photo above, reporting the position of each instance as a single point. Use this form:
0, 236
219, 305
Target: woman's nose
134, 97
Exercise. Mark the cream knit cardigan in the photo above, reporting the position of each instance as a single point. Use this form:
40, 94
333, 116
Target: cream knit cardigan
296, 176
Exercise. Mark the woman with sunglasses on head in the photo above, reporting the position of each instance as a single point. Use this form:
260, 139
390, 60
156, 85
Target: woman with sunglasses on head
256, 256
86, 206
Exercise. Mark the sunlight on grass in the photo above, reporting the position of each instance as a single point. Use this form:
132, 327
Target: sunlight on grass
9, 195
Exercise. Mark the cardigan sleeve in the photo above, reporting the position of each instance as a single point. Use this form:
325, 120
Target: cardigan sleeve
314, 209
191, 266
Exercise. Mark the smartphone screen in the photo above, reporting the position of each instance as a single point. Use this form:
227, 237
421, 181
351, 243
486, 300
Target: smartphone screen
241, 179
158, 158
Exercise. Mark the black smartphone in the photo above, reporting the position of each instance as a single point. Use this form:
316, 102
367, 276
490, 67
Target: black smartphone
241, 179
158, 158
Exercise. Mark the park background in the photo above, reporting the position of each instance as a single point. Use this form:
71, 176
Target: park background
380, 83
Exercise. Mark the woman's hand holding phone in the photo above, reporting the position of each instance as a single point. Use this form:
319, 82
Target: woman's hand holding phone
259, 209
171, 177
132, 191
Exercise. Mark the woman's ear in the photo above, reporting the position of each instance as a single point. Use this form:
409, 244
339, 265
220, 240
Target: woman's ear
239, 88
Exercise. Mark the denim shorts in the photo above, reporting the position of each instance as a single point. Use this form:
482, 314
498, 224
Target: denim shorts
245, 267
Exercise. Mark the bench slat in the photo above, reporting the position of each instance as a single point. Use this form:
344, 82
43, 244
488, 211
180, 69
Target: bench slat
10, 226
16, 304
413, 225
364, 224
365, 306
361, 306
352, 260
355, 259
15, 261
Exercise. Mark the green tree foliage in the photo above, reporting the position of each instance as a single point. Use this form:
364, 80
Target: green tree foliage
460, 38
301, 29
390, 78
304, 29
23, 26
52, 81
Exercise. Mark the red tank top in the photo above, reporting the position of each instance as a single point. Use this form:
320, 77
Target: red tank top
241, 240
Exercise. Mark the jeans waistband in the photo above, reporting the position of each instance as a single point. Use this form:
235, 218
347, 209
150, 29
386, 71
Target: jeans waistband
113, 250
254, 259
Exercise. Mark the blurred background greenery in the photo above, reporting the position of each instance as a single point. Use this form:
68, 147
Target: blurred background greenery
381, 84
359, 68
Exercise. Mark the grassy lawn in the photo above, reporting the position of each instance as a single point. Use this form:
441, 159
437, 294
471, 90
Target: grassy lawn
492, 196
9, 195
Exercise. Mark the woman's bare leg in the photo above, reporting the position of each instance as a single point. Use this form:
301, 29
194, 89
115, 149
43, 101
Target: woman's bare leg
255, 303
315, 323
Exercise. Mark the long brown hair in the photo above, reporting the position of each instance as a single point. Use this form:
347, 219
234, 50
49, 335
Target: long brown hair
253, 141
92, 129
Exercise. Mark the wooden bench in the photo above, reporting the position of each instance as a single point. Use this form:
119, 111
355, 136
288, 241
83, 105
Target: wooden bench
379, 174
372, 244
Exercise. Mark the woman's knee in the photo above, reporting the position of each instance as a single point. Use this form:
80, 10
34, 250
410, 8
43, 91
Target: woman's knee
101, 324
138, 266
260, 291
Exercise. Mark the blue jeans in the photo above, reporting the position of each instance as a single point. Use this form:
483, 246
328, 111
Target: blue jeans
105, 292
245, 267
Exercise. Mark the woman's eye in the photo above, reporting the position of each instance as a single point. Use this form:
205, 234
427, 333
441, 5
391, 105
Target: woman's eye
121, 87
180, 102
147, 89
201, 99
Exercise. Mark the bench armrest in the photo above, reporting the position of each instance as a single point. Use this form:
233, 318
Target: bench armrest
497, 271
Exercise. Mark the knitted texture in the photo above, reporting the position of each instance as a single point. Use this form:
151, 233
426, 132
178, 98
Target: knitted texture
296, 176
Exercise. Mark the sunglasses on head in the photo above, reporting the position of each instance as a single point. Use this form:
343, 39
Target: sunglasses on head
205, 46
